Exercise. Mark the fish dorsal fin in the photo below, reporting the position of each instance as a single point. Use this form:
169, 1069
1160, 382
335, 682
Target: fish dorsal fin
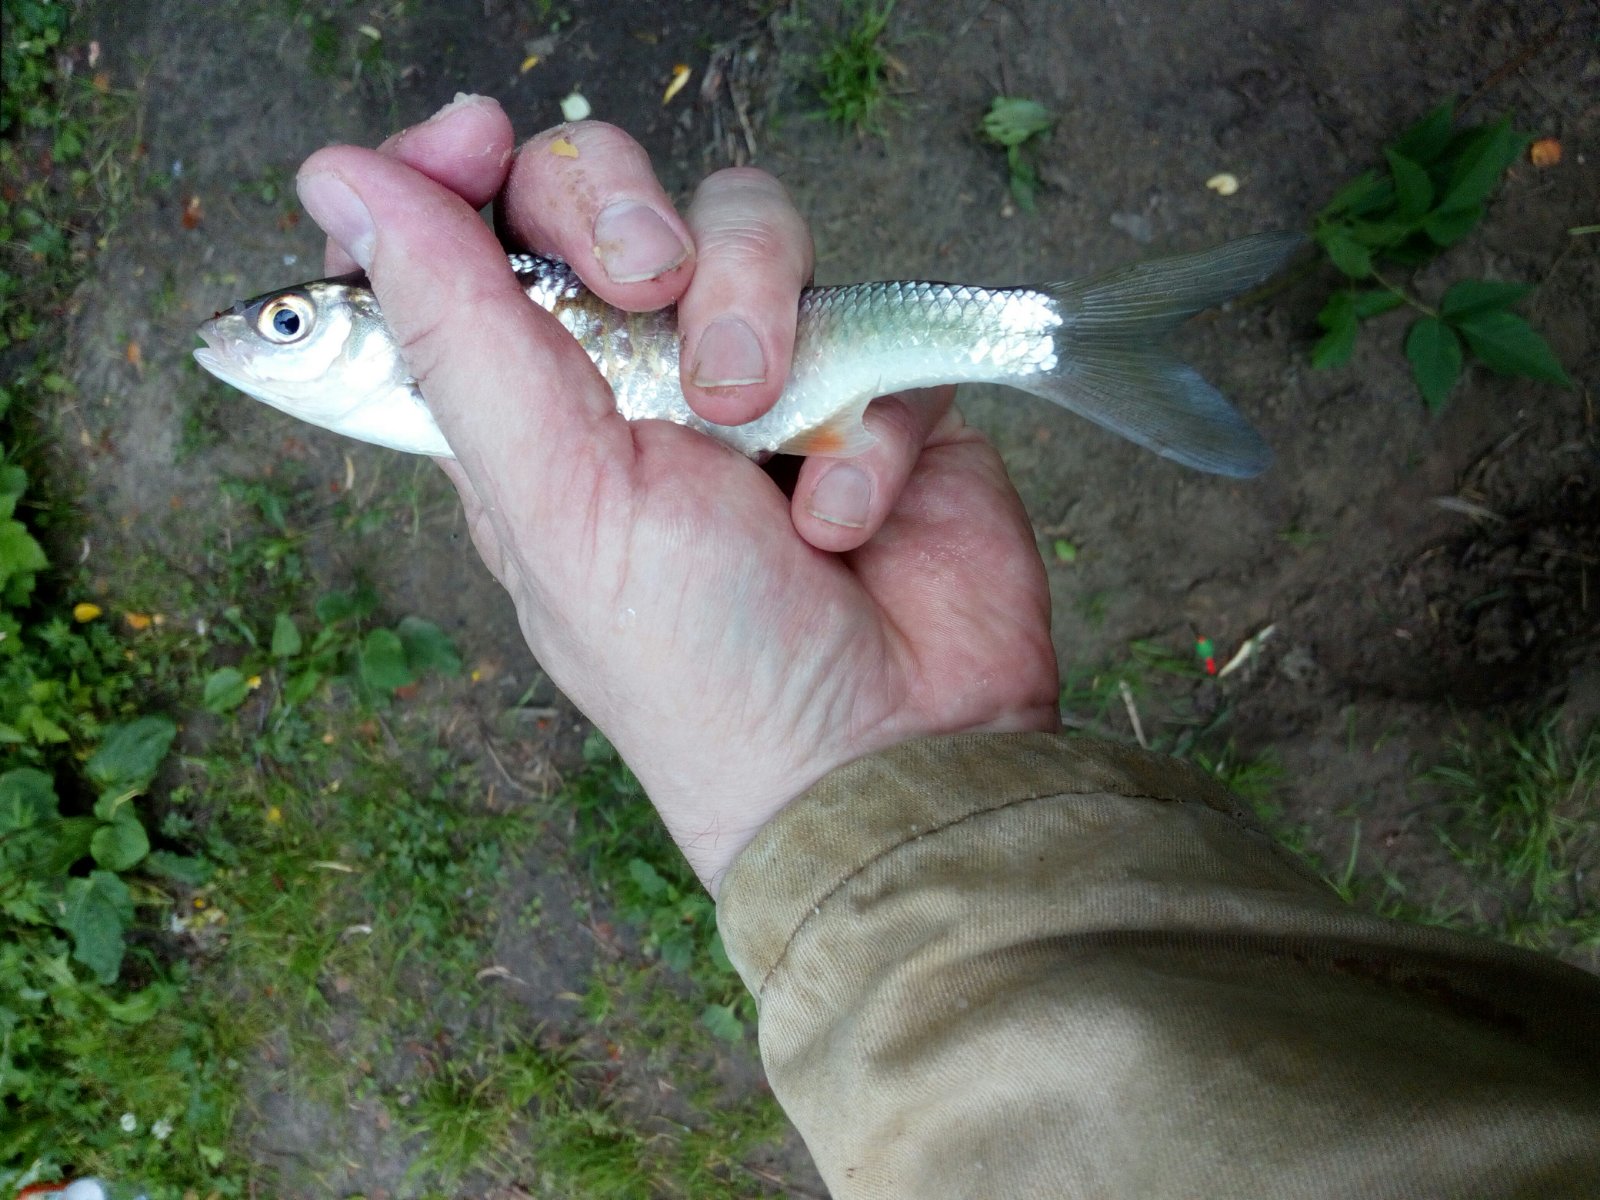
843, 435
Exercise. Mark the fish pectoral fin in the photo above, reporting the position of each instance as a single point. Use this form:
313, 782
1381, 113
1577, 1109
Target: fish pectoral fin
843, 435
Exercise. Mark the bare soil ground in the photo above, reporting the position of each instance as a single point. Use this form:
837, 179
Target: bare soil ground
1397, 619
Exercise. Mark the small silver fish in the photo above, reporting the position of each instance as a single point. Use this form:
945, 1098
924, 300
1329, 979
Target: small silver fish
322, 352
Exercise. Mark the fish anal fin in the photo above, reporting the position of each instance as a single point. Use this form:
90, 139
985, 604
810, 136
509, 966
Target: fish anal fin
843, 435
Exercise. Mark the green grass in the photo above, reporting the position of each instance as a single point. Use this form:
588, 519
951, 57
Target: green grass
851, 68
1522, 817
1514, 830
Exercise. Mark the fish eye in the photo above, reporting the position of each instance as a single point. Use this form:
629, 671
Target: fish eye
285, 319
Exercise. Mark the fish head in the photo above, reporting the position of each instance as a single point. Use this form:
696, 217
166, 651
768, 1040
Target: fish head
319, 351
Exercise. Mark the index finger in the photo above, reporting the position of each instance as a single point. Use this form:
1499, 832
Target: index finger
466, 146
521, 405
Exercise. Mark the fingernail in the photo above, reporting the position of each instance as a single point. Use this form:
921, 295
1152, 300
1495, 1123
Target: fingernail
462, 100
634, 244
842, 497
729, 355
341, 214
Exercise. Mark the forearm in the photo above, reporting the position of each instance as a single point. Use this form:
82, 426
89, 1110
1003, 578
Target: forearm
1024, 965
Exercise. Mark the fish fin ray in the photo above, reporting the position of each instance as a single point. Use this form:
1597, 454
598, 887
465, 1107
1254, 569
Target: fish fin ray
1111, 369
843, 435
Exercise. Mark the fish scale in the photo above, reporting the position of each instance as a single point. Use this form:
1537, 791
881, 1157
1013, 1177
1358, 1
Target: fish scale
1091, 346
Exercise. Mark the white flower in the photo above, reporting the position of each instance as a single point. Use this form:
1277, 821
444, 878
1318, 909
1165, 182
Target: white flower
161, 1129
129, 1122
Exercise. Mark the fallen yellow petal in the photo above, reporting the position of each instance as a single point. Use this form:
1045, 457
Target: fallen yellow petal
680, 76
84, 611
563, 148
528, 64
1546, 152
1223, 184
138, 621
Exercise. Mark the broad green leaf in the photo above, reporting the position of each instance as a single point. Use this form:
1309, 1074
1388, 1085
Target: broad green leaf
286, 640
1427, 139
721, 1020
27, 798
1472, 296
648, 879
1508, 344
1365, 193
140, 1006
121, 843
1349, 255
302, 687
98, 910
184, 868
225, 690
1447, 226
21, 558
1384, 234
1435, 356
1338, 317
427, 647
1413, 189
1012, 120
13, 482
1482, 159
1376, 302
383, 661
343, 606
131, 754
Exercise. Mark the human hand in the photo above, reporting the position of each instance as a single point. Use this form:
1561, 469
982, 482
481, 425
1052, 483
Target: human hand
733, 645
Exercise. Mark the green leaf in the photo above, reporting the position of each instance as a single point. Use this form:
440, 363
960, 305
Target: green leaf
723, 1022
140, 1006
1375, 303
27, 798
1446, 227
648, 879
302, 687
1483, 157
1349, 255
1365, 193
1472, 296
131, 754
1012, 120
1435, 356
1508, 344
286, 640
183, 868
121, 843
13, 482
427, 648
21, 558
383, 661
1338, 317
226, 688
345, 606
1427, 139
98, 910
1412, 188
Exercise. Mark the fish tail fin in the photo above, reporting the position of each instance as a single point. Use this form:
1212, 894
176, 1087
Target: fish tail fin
1111, 368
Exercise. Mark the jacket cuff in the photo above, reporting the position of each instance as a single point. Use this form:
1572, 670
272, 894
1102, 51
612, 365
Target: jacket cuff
865, 809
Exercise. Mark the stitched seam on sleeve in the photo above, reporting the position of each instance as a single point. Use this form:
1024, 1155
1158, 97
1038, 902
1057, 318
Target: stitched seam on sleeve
1032, 797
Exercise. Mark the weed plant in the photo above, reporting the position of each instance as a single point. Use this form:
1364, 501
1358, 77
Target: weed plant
1431, 194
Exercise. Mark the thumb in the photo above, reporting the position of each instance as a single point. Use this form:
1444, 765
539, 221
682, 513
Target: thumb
523, 408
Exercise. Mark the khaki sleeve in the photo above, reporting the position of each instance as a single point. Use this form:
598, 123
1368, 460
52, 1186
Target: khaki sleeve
1017, 965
